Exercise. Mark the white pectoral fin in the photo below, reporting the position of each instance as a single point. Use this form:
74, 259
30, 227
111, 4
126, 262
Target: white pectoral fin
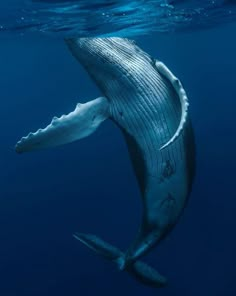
177, 85
78, 124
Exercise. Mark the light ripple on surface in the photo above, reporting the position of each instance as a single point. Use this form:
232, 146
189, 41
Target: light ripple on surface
113, 18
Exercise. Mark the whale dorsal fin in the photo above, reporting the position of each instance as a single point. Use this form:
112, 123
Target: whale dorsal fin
163, 70
78, 124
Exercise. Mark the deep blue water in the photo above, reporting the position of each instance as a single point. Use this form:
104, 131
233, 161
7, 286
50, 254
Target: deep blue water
89, 186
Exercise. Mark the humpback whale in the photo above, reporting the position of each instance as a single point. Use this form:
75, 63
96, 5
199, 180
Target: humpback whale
150, 106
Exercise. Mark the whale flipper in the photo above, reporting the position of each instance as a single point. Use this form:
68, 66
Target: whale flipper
78, 124
140, 270
177, 85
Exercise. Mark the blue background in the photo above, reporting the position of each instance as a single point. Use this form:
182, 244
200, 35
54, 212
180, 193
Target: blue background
89, 186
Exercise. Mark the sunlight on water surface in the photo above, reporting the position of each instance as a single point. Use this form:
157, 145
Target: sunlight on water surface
110, 17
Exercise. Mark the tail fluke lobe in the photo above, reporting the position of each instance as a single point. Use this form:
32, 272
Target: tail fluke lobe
101, 247
147, 275
140, 270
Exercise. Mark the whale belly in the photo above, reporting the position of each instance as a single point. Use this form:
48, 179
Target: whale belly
149, 116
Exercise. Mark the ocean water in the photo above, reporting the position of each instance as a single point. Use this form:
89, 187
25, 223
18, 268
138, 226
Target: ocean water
89, 186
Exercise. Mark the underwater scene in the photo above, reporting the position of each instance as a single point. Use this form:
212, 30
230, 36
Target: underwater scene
118, 147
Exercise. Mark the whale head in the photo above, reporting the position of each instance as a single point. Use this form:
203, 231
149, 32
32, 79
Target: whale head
110, 59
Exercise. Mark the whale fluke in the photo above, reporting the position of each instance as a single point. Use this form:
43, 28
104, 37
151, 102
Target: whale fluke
140, 270
177, 85
78, 124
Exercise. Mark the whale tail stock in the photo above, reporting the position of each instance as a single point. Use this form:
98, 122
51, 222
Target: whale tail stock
140, 270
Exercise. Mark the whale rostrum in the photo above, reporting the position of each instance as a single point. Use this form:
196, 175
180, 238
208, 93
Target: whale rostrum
149, 104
